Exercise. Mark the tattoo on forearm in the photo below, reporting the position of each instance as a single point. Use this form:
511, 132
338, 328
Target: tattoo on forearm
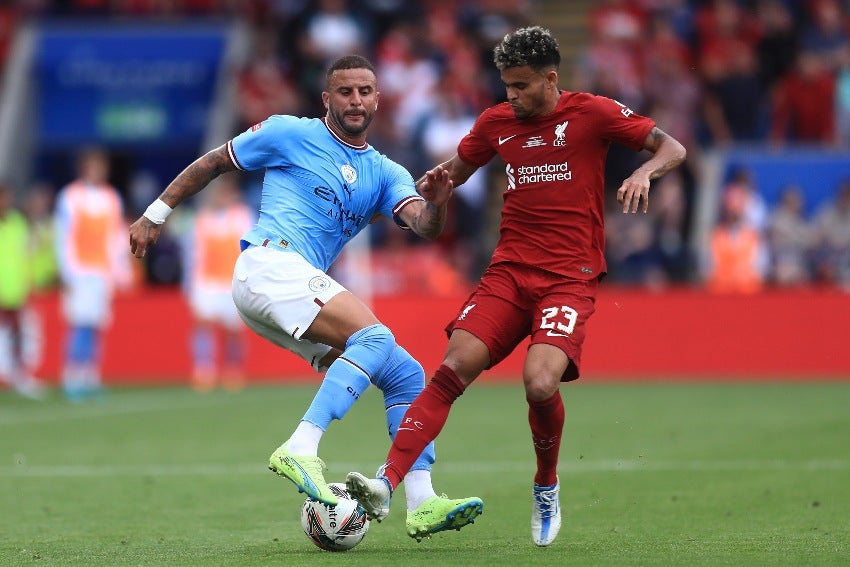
654, 141
196, 176
429, 223
663, 169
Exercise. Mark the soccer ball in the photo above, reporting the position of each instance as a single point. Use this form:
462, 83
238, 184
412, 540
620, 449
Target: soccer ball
335, 528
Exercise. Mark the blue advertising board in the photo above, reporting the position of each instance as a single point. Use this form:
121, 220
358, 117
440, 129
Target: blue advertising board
818, 172
126, 84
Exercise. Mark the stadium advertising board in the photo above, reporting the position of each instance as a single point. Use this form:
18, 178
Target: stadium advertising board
126, 84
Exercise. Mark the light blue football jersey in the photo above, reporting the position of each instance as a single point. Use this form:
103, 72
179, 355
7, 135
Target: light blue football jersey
318, 191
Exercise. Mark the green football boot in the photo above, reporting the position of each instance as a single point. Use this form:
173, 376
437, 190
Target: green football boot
438, 513
305, 472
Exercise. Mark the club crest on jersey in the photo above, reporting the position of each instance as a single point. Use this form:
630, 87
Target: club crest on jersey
559, 134
348, 173
318, 283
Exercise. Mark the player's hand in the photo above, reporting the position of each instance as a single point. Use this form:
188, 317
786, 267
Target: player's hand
437, 187
633, 189
143, 234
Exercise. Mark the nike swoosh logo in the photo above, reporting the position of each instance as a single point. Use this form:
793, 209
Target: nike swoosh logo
503, 140
554, 334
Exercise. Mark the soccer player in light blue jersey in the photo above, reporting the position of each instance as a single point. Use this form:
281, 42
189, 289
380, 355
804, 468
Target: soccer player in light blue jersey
323, 184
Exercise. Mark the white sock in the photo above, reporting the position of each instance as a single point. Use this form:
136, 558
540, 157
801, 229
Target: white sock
418, 488
305, 439
73, 377
91, 377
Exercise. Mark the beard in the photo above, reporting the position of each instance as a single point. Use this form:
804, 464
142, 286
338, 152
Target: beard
339, 119
520, 113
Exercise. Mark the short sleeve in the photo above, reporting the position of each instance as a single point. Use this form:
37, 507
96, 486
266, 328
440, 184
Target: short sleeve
262, 145
398, 190
619, 123
475, 148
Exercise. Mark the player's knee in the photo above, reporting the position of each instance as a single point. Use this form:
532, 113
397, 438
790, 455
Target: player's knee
539, 390
376, 336
370, 348
401, 378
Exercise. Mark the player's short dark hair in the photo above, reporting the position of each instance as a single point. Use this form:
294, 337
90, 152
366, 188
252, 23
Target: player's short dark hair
533, 46
348, 62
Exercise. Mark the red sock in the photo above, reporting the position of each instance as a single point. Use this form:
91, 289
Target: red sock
547, 423
422, 422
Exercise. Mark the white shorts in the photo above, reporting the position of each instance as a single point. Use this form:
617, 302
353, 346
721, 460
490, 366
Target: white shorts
279, 294
87, 301
216, 305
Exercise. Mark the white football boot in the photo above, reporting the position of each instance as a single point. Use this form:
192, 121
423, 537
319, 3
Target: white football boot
545, 514
372, 493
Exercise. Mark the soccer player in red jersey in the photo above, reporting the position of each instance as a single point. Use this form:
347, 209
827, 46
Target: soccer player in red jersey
544, 273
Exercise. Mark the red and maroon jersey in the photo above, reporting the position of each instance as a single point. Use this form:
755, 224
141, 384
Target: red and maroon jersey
554, 201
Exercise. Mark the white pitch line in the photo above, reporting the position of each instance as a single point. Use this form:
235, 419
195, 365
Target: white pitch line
110, 408
457, 467
651, 466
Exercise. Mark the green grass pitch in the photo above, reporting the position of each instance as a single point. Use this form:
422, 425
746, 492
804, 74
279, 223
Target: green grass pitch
651, 474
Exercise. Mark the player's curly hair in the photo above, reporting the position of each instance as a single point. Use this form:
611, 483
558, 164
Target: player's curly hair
533, 46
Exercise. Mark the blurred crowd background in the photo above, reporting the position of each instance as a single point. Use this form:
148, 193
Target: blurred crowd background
121, 95
716, 74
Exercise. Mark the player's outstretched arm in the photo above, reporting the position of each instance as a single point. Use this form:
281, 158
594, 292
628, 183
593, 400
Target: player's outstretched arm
436, 187
668, 153
145, 231
427, 218
459, 172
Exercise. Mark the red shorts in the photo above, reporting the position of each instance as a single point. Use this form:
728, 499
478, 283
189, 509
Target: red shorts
513, 301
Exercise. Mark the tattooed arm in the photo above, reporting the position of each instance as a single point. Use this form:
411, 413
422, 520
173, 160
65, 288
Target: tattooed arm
144, 233
668, 153
197, 176
427, 218
436, 186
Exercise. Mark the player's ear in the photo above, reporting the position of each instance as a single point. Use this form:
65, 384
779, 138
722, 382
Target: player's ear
326, 99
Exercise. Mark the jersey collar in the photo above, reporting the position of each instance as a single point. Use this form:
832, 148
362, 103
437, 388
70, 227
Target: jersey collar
341, 141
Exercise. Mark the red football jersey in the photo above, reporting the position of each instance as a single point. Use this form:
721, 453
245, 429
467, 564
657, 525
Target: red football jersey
554, 201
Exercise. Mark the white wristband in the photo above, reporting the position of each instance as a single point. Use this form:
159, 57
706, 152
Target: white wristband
158, 211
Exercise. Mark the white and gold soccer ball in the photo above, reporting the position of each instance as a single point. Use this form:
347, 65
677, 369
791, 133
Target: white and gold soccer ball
335, 528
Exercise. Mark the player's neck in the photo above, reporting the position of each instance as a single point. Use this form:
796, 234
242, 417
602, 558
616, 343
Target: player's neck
358, 142
547, 106
552, 103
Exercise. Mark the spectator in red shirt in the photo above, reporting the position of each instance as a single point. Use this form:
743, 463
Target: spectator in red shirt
263, 85
804, 107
